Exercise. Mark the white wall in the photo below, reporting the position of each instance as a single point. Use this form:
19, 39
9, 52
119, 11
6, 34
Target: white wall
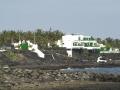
68, 40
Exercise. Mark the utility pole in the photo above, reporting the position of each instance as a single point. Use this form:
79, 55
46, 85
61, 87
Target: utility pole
19, 35
34, 38
50, 29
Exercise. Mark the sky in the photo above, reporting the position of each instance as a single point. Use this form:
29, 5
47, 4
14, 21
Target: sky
98, 18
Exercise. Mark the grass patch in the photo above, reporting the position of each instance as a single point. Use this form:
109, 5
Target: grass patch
12, 55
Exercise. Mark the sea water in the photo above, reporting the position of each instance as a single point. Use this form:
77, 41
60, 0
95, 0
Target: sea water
108, 70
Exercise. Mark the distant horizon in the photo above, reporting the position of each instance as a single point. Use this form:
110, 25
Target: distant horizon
98, 18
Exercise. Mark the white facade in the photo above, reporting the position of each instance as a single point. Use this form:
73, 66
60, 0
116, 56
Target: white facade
78, 42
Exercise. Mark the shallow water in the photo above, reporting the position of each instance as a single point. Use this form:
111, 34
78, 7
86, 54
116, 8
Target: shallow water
110, 70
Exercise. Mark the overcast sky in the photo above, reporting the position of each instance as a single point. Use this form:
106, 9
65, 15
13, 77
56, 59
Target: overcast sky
99, 18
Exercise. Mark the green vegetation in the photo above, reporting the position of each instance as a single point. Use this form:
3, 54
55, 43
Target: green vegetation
41, 37
14, 56
11, 55
110, 42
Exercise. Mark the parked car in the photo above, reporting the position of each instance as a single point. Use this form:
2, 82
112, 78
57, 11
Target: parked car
101, 59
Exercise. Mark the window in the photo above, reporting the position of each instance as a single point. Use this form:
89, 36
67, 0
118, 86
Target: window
79, 44
85, 38
91, 44
75, 44
86, 44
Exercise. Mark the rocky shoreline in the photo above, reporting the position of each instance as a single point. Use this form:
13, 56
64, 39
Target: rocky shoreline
24, 70
18, 79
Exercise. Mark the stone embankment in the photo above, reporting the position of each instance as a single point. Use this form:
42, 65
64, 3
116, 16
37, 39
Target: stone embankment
20, 70
16, 78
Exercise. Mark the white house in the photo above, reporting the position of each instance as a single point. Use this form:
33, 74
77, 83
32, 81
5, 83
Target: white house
78, 42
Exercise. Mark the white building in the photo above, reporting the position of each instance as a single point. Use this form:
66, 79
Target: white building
78, 42
31, 46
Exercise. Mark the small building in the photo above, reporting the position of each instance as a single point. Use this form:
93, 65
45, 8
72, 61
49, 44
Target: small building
27, 45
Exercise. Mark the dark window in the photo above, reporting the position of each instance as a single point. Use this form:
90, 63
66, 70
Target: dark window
91, 44
75, 44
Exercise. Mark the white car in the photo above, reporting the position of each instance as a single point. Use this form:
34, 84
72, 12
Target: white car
100, 59
2, 50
